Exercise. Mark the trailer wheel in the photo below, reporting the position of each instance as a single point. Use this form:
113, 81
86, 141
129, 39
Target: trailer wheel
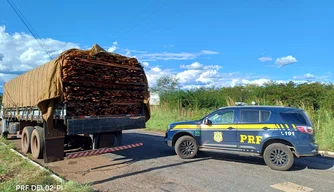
26, 139
37, 143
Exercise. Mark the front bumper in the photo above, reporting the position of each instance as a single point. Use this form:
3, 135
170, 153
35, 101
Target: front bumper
168, 141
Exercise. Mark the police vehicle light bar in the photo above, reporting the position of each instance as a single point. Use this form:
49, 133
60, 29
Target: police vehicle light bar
240, 103
244, 104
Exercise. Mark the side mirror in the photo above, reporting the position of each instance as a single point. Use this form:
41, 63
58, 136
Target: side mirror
206, 121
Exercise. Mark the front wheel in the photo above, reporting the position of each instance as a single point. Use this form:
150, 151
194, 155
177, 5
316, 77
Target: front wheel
278, 157
186, 147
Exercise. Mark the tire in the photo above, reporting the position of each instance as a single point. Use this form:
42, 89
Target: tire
186, 147
277, 150
26, 139
37, 143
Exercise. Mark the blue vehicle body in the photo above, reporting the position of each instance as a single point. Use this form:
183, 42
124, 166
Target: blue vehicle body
248, 129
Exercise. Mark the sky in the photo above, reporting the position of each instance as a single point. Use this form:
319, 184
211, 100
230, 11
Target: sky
202, 43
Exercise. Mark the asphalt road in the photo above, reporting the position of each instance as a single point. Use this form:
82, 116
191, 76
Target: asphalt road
155, 167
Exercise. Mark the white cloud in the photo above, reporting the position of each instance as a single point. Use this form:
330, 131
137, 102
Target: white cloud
208, 52
197, 72
198, 66
207, 76
21, 52
196, 75
145, 64
156, 69
168, 45
265, 59
283, 61
259, 82
154, 73
195, 65
165, 56
113, 47
311, 77
188, 76
6, 77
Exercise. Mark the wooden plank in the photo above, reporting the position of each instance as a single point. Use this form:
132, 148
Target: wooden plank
102, 83
90, 61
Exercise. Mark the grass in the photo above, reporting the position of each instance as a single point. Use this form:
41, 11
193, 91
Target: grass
322, 119
161, 116
323, 124
14, 171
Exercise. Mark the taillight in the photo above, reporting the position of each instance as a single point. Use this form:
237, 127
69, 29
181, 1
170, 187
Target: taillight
305, 129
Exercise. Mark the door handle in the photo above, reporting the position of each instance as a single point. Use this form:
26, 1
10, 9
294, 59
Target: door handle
230, 128
265, 128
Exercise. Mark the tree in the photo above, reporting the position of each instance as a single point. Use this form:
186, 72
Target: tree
166, 84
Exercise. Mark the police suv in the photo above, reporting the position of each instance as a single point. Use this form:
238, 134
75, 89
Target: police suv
278, 134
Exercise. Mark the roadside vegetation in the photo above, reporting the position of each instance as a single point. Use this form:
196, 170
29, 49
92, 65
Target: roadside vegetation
179, 105
15, 171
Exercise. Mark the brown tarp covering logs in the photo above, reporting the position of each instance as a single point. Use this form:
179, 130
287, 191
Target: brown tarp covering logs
90, 83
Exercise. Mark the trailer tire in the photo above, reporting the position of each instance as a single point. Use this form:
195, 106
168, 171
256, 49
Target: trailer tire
26, 139
37, 143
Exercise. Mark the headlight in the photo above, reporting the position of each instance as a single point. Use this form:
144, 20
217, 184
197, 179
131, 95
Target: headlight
170, 126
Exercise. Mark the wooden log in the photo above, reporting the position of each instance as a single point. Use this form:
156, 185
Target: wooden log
103, 84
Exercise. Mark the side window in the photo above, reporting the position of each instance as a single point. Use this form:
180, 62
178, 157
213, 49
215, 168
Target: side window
254, 116
222, 117
294, 117
265, 115
250, 116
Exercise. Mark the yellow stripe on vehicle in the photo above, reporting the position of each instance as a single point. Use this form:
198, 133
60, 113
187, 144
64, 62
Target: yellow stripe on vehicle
282, 126
287, 126
256, 126
293, 125
226, 126
186, 127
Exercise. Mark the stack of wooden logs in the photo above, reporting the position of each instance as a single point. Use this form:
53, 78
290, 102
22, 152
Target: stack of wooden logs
104, 84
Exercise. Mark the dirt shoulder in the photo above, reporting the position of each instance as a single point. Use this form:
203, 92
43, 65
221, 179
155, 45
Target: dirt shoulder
20, 174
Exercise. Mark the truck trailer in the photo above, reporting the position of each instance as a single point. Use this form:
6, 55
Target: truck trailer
82, 99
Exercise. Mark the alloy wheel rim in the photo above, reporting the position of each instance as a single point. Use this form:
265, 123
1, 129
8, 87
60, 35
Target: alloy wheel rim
187, 148
278, 157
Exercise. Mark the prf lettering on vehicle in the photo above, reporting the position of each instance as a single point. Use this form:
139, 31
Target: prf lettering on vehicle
251, 139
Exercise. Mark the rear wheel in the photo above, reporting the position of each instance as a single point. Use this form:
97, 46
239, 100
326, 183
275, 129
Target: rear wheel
278, 157
26, 139
186, 147
37, 143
